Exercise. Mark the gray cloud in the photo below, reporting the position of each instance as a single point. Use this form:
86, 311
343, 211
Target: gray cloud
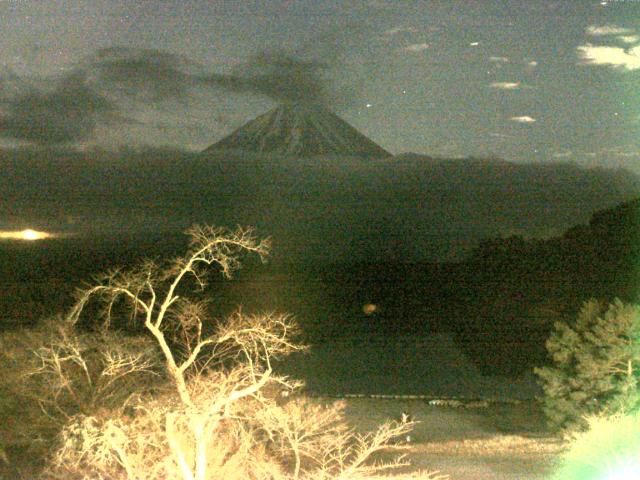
69, 108
156, 76
396, 30
146, 74
417, 47
10, 83
608, 30
281, 77
65, 113
629, 38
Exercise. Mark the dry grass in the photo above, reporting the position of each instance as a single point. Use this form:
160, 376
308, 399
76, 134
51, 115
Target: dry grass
499, 442
498, 445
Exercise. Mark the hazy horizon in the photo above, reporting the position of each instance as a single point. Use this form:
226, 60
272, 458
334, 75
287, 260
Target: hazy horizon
407, 208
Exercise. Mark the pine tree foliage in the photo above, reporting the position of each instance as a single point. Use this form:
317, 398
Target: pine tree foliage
596, 365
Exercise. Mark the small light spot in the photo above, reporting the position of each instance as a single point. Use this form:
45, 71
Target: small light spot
368, 105
27, 234
369, 308
474, 44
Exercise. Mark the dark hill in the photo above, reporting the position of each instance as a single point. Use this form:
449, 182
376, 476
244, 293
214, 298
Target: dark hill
321, 209
514, 289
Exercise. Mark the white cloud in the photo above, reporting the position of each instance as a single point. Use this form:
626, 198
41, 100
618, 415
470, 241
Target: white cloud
629, 38
614, 56
505, 85
396, 30
608, 30
417, 47
533, 63
499, 59
523, 119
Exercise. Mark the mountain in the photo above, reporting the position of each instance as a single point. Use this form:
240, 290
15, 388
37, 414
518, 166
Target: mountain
302, 130
317, 209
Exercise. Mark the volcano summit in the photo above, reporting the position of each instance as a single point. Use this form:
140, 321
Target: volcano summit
301, 130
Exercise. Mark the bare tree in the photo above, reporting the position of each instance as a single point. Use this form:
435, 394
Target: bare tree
82, 373
142, 287
222, 416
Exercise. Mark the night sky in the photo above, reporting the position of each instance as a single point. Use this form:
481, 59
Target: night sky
528, 81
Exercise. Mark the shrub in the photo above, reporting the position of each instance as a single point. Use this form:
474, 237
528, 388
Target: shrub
221, 413
596, 365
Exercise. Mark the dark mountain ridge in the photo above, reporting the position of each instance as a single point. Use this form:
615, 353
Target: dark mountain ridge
322, 209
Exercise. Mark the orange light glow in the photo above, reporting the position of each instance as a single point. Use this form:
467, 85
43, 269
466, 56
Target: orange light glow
27, 234
369, 308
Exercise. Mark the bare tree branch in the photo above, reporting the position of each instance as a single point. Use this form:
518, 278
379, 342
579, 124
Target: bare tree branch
224, 416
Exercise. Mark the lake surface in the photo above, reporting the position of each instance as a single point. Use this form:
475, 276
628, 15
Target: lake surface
390, 328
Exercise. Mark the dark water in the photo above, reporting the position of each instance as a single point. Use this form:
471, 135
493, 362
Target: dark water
389, 349
39, 277
334, 294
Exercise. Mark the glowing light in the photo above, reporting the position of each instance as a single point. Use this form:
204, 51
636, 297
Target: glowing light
27, 234
523, 119
609, 450
369, 308
624, 471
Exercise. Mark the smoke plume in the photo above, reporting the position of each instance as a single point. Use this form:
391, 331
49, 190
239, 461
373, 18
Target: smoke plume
281, 77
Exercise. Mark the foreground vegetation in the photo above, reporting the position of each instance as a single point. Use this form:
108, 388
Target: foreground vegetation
596, 365
123, 385
192, 398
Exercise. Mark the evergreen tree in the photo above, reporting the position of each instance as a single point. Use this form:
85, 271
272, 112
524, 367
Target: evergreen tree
596, 365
